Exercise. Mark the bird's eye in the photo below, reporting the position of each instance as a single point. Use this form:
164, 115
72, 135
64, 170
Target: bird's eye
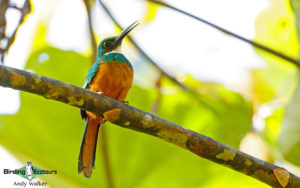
106, 44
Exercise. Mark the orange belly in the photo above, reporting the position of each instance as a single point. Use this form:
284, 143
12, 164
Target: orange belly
113, 79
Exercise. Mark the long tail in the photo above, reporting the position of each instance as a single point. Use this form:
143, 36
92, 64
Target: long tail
86, 160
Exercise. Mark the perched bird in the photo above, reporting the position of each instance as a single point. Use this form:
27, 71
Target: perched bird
111, 75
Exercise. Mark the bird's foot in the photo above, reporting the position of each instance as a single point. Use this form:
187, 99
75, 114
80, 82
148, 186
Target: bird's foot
100, 93
125, 102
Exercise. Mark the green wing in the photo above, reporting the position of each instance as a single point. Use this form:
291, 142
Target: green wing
92, 72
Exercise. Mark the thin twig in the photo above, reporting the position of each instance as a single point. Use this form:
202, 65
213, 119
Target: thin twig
104, 150
184, 87
3, 7
155, 106
24, 11
15, 7
256, 44
87, 4
106, 161
132, 118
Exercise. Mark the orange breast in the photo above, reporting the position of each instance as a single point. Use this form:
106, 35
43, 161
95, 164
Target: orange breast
113, 79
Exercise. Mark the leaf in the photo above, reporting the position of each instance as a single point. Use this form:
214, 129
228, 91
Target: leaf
151, 11
275, 27
46, 132
260, 88
228, 124
177, 106
296, 10
49, 134
289, 140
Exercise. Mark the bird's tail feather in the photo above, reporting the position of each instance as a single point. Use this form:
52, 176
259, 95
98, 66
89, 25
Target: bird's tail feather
86, 160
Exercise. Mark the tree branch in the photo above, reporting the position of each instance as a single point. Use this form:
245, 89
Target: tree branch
3, 7
24, 11
255, 44
106, 161
87, 4
135, 119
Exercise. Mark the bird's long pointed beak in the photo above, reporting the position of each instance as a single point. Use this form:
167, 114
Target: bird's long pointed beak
124, 33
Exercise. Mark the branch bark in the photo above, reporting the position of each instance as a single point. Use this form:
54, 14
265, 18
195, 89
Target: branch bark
135, 119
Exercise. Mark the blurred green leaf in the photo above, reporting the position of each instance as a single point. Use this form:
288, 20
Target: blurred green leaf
275, 27
228, 125
289, 140
295, 5
46, 132
261, 90
149, 162
49, 134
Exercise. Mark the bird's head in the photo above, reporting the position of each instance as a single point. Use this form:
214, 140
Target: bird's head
110, 44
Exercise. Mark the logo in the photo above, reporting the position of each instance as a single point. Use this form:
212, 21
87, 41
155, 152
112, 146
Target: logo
29, 172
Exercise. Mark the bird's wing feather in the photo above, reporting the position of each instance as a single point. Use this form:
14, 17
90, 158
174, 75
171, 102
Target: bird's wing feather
92, 72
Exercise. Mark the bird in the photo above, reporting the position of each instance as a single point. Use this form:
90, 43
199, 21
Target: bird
111, 75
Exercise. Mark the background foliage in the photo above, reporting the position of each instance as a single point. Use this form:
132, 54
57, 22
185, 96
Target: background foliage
49, 133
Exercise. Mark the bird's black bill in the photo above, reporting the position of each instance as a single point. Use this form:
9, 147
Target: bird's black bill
125, 32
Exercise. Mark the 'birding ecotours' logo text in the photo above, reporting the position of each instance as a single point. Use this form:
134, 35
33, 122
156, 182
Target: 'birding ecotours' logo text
29, 172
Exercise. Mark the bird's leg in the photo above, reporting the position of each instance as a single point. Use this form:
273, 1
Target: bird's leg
100, 93
125, 102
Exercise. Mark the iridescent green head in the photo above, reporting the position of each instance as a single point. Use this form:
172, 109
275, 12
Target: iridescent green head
110, 44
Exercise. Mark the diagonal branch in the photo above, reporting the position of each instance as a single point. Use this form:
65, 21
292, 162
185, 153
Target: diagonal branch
25, 10
156, 65
87, 4
135, 119
255, 44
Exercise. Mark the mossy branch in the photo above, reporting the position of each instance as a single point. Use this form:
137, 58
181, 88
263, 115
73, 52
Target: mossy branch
135, 119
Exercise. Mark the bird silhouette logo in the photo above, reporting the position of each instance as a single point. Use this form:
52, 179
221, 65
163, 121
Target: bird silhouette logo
29, 170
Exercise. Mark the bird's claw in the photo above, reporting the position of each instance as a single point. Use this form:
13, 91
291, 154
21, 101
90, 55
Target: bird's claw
125, 102
100, 93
